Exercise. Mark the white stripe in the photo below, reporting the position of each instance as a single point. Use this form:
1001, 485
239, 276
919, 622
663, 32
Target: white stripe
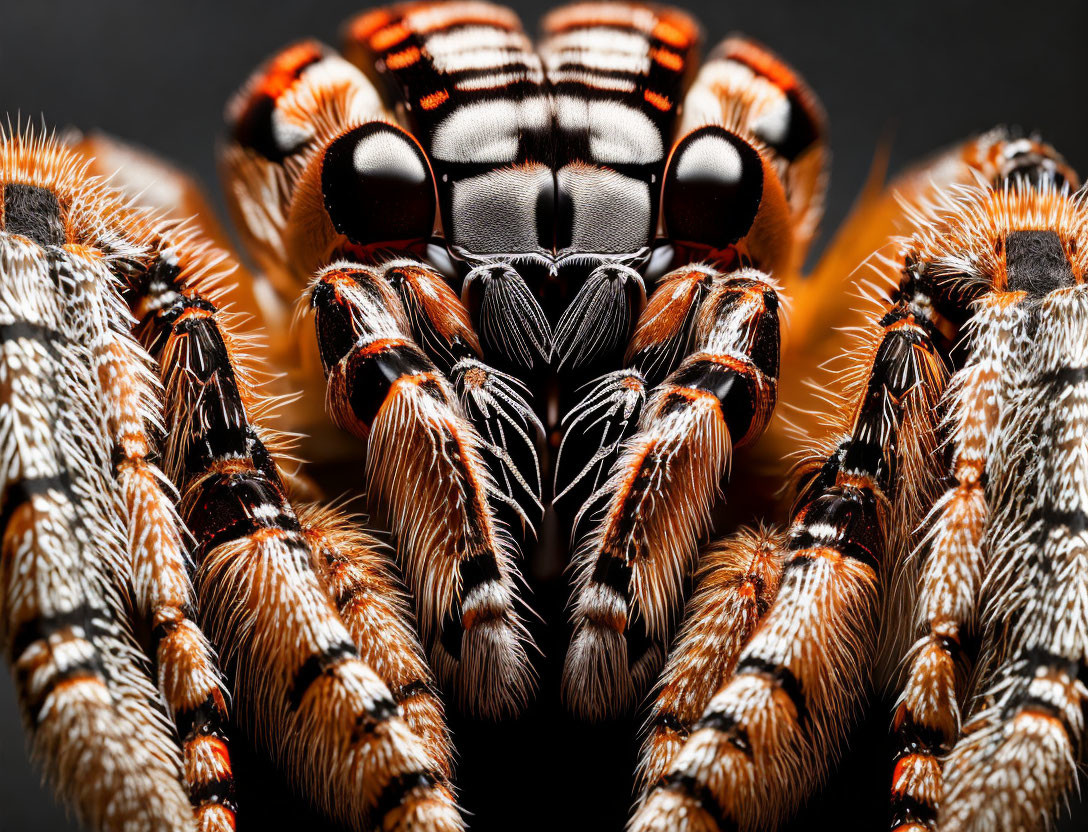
600, 82
472, 38
618, 133
488, 131
597, 41
482, 59
637, 64
498, 82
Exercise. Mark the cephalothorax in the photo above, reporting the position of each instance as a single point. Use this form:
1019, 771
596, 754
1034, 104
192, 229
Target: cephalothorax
513, 264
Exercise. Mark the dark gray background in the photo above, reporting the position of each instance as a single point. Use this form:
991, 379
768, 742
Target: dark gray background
919, 74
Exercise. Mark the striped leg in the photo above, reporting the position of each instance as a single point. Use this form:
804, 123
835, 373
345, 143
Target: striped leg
737, 583
372, 605
927, 720
425, 468
1018, 758
659, 495
188, 676
90, 708
494, 402
302, 690
768, 735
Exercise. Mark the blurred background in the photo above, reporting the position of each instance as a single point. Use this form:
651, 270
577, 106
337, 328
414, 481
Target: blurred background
914, 75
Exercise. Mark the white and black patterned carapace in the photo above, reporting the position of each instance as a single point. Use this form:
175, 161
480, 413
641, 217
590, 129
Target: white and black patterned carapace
548, 165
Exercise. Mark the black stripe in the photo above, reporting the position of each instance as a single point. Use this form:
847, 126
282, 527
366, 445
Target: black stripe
417, 687
477, 570
1036, 703
906, 809
33, 212
613, 571
224, 509
90, 666
368, 722
165, 628
895, 370
1065, 376
782, 676
219, 424
912, 738
24, 330
41, 627
851, 515
219, 792
1036, 658
736, 390
205, 720
349, 593
316, 665
20, 491
727, 724
370, 376
686, 784
671, 722
396, 790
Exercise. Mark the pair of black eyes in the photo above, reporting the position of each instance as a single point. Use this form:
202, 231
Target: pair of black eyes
379, 189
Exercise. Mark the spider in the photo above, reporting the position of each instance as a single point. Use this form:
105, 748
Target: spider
502, 262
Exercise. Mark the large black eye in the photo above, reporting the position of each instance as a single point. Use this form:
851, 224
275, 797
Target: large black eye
713, 187
378, 186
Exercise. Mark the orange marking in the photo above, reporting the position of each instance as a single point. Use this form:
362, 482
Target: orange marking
232, 466
667, 59
368, 23
417, 379
608, 543
389, 37
435, 99
693, 395
193, 314
905, 323
403, 59
856, 481
820, 553
336, 279
657, 100
763, 63
77, 679
285, 68
222, 755
737, 365
1035, 713
901, 771
672, 34
381, 345
261, 535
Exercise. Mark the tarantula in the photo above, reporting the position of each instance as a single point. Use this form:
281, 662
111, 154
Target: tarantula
570, 260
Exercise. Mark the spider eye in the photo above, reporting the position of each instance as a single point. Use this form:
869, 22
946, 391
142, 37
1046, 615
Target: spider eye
378, 187
713, 187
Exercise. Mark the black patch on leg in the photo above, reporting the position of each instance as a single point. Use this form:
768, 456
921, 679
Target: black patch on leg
35, 213
1036, 263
